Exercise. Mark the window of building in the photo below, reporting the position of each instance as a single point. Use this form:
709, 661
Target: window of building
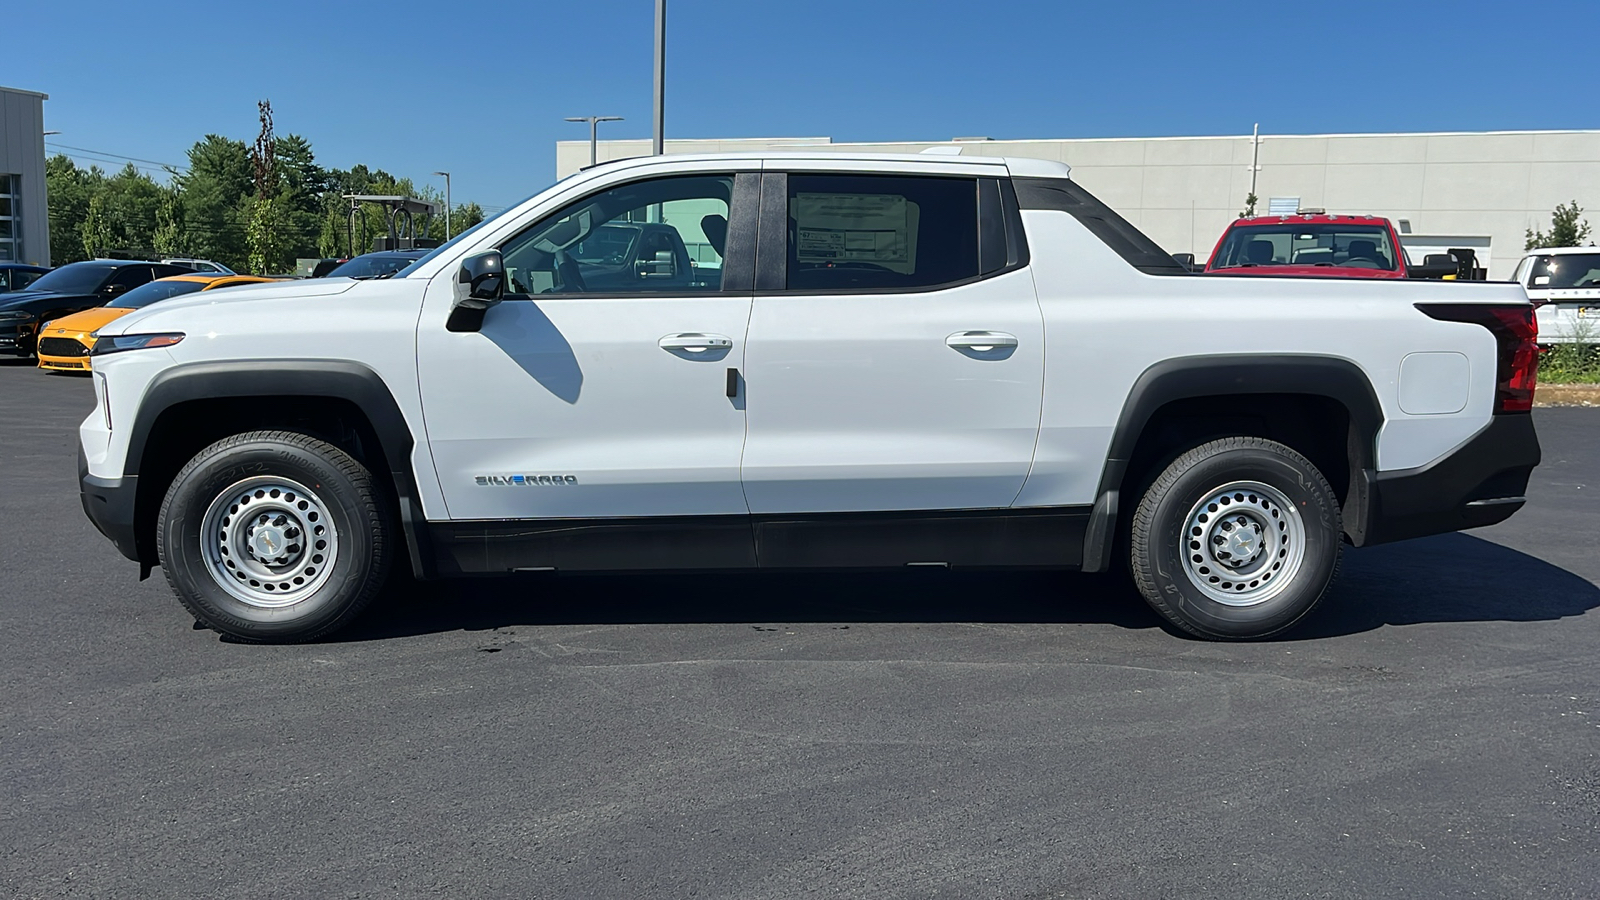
10, 219
850, 232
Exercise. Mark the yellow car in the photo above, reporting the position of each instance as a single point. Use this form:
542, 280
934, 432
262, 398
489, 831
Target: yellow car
64, 343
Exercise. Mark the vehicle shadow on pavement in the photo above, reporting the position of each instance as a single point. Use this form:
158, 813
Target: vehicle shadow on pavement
1448, 578
754, 597
1451, 578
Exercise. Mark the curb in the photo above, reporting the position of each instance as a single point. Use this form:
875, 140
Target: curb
1566, 395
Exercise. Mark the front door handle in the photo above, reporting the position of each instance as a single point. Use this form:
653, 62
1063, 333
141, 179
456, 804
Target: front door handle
694, 342
980, 341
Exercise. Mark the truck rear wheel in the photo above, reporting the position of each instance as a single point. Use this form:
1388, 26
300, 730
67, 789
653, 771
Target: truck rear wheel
274, 536
1236, 539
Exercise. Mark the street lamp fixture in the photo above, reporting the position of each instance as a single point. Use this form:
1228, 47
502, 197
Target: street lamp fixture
593, 122
446, 203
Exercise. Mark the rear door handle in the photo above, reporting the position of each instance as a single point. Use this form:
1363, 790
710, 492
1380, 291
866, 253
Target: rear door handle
980, 341
694, 342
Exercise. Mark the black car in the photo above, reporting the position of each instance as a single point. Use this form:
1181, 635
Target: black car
376, 265
16, 276
69, 289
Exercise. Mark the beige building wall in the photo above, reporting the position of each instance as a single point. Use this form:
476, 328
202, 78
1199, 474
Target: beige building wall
1183, 191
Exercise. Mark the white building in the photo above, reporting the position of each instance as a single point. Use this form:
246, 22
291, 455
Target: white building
1451, 189
24, 218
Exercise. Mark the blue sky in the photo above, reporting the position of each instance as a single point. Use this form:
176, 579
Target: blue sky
480, 89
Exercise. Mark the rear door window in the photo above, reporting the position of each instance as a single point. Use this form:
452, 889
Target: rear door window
873, 232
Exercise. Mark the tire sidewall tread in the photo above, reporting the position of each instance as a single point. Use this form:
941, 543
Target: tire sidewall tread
358, 509
1157, 538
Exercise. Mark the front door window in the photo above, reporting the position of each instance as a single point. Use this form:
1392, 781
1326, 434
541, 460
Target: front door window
662, 236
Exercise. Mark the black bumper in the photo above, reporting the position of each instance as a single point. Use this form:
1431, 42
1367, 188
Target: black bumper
109, 504
17, 339
1483, 482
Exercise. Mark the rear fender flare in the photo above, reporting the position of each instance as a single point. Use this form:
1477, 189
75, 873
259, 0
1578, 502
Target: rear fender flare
1190, 377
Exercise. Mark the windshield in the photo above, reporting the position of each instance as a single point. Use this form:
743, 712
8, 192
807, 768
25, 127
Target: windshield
146, 294
370, 267
451, 243
1575, 270
74, 278
1324, 244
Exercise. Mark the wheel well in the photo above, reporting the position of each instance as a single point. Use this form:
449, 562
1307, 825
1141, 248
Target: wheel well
186, 428
1317, 427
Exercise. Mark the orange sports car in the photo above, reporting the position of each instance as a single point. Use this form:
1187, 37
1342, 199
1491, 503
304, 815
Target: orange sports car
64, 343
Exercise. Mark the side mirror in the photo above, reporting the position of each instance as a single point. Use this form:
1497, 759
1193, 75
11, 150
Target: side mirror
112, 290
664, 265
485, 277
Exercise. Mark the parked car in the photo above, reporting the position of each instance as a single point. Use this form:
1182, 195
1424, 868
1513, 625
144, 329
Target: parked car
66, 290
1313, 243
923, 361
17, 277
380, 264
1564, 285
64, 343
203, 266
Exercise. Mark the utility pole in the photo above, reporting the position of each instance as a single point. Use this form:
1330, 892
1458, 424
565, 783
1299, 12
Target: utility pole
658, 143
446, 203
1255, 156
593, 141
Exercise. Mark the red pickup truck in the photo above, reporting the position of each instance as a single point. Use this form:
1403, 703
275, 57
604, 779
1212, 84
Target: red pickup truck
1311, 243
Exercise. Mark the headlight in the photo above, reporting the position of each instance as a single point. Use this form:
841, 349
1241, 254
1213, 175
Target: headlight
121, 342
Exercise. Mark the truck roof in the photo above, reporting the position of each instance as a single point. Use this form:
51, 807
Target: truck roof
1561, 251
1310, 219
1017, 165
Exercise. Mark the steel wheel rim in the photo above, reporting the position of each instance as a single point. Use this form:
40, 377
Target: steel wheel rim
269, 541
1243, 543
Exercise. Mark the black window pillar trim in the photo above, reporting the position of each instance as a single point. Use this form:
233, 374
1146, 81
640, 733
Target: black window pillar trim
739, 262
1128, 242
772, 241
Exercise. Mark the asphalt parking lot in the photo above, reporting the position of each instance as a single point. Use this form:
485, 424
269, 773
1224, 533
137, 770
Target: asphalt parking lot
1433, 732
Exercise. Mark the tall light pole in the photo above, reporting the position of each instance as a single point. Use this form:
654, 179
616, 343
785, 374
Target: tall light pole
446, 203
658, 142
593, 122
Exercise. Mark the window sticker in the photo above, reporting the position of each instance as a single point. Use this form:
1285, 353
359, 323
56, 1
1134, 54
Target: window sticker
867, 228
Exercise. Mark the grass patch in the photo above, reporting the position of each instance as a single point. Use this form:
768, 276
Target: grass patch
1570, 364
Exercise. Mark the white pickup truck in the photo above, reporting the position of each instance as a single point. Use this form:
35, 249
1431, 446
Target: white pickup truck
901, 361
1564, 285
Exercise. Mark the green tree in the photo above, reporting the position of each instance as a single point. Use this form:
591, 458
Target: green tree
96, 230
69, 190
266, 214
1249, 206
1567, 229
265, 235
132, 200
303, 184
214, 191
462, 217
170, 238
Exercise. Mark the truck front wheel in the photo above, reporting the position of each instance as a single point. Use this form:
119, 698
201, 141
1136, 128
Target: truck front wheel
274, 536
1236, 539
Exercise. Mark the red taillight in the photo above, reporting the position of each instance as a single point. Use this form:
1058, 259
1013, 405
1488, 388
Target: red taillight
1516, 334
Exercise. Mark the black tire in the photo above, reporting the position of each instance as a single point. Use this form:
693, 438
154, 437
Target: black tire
1176, 535
341, 497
